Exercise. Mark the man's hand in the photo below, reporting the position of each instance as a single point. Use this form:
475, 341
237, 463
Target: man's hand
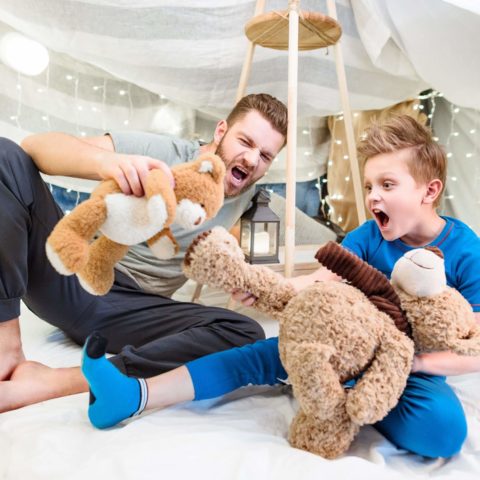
245, 298
130, 171
93, 158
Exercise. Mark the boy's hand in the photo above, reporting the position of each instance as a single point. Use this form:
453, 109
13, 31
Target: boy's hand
298, 283
130, 171
417, 364
301, 282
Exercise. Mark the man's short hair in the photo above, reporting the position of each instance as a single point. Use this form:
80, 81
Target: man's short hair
270, 108
427, 160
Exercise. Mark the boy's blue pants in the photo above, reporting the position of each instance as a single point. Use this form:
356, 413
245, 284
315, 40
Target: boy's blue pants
428, 419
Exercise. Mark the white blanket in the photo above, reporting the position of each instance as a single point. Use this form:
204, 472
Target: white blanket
241, 436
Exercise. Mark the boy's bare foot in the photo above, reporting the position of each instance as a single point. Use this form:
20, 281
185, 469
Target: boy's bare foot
33, 382
11, 353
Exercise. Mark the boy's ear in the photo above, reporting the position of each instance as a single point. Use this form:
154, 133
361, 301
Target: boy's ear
220, 131
434, 188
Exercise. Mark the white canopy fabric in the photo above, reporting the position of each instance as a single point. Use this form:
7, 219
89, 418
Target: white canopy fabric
435, 40
164, 65
439, 41
458, 129
192, 52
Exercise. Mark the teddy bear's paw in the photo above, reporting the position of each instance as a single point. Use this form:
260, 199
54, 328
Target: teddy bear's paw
362, 410
215, 259
357, 414
157, 211
95, 285
70, 258
164, 248
470, 345
86, 286
191, 248
327, 438
56, 261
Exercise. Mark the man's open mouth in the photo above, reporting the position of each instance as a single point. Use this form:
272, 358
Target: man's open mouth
239, 174
382, 217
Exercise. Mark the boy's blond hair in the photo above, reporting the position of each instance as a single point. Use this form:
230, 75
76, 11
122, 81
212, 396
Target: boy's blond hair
427, 161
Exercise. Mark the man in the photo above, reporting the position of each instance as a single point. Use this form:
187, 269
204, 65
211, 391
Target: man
149, 332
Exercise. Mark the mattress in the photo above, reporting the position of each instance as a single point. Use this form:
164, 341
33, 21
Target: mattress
239, 436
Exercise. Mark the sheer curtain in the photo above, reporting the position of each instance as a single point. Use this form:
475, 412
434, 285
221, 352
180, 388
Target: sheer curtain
170, 66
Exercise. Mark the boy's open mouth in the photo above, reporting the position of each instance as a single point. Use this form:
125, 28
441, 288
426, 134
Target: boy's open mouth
382, 217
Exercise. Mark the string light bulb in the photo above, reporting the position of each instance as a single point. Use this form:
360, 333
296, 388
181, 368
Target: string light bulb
23, 54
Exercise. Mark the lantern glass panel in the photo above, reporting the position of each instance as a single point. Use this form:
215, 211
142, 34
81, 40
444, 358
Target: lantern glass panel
246, 235
265, 239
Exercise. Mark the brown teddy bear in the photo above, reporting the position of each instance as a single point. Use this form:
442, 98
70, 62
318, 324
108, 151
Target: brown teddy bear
329, 333
332, 332
126, 220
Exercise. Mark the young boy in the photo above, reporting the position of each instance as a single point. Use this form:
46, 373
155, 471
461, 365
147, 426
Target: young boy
404, 179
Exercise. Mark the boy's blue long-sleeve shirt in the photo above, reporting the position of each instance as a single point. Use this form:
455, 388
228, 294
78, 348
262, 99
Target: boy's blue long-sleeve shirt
459, 244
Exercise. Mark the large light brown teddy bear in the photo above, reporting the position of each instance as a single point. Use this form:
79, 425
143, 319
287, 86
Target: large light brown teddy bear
125, 220
332, 332
329, 333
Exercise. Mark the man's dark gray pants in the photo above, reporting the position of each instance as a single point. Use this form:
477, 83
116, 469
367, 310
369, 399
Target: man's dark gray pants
150, 334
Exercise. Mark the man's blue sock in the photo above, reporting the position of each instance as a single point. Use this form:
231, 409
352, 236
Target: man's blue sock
113, 396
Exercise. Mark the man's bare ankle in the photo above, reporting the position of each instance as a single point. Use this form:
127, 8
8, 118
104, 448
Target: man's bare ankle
9, 360
11, 352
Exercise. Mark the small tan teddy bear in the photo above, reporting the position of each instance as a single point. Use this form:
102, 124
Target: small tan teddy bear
126, 220
329, 333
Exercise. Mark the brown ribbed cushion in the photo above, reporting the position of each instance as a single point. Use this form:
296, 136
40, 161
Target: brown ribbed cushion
373, 283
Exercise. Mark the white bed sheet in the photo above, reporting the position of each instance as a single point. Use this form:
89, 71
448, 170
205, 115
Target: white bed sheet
241, 436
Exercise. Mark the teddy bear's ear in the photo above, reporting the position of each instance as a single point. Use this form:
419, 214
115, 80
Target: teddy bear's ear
436, 251
212, 164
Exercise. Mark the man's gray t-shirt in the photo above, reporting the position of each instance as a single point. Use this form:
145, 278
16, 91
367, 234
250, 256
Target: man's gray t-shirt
153, 275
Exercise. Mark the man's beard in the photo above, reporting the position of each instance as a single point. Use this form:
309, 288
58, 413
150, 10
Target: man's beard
220, 152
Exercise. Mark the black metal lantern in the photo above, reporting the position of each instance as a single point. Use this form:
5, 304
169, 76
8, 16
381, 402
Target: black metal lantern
259, 231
